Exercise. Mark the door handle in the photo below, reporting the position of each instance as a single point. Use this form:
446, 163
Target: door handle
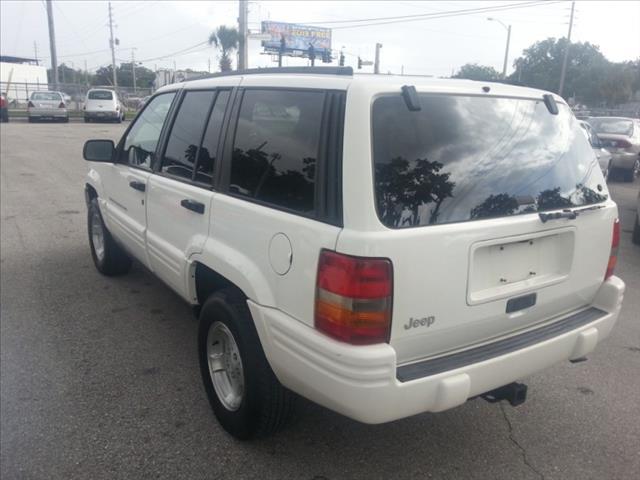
141, 187
192, 205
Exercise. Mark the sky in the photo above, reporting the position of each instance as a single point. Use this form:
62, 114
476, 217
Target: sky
159, 33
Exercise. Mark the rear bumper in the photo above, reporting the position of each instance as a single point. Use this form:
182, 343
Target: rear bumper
363, 382
48, 113
101, 115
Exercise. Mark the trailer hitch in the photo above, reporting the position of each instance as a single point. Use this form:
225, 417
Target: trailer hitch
514, 393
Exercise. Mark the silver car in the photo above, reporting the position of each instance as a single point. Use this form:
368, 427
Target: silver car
602, 154
621, 136
47, 105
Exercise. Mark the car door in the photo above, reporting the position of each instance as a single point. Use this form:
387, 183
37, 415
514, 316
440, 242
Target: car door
126, 181
179, 195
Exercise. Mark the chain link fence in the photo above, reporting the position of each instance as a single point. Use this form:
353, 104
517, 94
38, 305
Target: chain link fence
18, 93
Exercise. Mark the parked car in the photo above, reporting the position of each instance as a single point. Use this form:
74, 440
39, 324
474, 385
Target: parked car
4, 108
47, 105
621, 136
379, 248
102, 104
602, 154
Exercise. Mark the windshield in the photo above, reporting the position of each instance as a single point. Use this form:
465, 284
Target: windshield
51, 96
101, 95
616, 126
468, 158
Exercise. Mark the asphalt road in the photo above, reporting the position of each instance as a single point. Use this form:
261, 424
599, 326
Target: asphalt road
99, 376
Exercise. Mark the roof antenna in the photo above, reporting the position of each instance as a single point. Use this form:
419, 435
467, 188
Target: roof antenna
410, 96
550, 103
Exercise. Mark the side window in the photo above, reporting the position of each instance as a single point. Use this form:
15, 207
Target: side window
142, 139
211, 139
276, 147
180, 155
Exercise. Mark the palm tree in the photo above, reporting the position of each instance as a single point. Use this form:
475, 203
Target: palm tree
226, 39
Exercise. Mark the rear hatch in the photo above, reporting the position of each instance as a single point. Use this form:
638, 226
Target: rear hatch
461, 185
100, 101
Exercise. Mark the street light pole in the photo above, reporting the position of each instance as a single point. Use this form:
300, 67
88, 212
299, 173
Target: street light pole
506, 50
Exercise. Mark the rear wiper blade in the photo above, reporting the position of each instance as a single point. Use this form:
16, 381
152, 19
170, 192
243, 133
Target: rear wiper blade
566, 213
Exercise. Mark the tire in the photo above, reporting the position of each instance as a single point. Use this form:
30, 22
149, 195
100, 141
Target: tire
87, 119
65, 120
635, 237
109, 258
264, 406
30, 119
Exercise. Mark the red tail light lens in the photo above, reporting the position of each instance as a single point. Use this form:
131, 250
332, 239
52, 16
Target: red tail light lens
353, 298
30, 104
61, 105
615, 243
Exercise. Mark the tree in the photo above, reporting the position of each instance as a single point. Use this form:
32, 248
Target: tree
144, 76
473, 71
226, 39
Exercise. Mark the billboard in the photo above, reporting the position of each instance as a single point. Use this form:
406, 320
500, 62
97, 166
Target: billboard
297, 38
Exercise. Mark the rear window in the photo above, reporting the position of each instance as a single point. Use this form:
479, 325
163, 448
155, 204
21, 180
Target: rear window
101, 95
44, 96
464, 158
616, 126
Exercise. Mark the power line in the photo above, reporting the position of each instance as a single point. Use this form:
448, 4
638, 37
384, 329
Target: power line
428, 16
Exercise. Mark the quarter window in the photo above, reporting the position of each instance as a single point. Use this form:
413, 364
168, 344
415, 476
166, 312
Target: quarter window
276, 147
186, 133
142, 139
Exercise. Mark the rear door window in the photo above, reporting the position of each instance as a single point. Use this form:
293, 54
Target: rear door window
182, 146
208, 150
275, 149
47, 96
462, 158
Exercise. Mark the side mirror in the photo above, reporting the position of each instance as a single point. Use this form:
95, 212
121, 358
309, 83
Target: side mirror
99, 150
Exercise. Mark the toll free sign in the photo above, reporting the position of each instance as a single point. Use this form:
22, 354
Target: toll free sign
291, 37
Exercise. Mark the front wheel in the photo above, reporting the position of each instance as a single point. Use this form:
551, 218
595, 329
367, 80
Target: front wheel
244, 393
107, 255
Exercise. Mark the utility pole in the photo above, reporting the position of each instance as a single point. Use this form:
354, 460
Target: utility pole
133, 69
243, 51
209, 64
563, 72
35, 50
506, 50
86, 73
112, 44
376, 65
52, 44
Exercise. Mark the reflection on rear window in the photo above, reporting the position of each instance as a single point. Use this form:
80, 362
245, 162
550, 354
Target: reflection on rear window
616, 126
468, 158
46, 96
101, 95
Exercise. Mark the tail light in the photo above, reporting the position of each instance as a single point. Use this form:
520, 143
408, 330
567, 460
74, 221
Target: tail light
622, 144
30, 104
615, 243
61, 105
353, 298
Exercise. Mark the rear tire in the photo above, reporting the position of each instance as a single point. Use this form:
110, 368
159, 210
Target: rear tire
263, 405
108, 257
635, 237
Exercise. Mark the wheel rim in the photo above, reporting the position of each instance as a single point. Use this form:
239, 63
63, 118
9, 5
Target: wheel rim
225, 366
97, 235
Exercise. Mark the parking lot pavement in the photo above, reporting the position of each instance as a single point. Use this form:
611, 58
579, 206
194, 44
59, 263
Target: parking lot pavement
99, 376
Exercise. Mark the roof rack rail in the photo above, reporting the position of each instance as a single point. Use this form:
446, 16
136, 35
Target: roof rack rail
346, 71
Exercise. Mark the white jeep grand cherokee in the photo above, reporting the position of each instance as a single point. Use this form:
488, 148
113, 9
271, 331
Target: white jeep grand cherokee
381, 245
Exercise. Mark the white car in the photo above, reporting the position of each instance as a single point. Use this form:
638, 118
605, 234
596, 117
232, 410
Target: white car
381, 248
102, 104
602, 154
